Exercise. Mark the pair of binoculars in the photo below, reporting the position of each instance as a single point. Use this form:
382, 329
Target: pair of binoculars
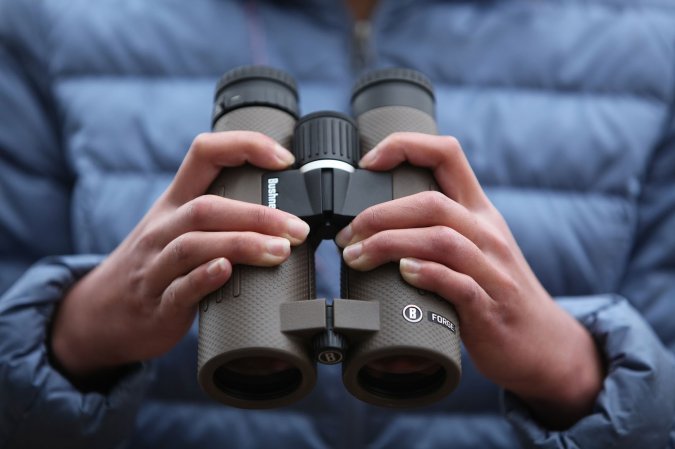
262, 334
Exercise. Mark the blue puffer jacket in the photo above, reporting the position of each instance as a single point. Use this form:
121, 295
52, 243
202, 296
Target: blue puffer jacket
565, 109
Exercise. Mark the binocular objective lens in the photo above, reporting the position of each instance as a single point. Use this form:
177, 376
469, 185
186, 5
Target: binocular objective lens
257, 378
400, 377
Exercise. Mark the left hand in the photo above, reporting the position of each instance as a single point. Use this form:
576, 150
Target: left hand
456, 244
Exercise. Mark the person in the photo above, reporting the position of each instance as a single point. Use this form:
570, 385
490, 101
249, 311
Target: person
558, 183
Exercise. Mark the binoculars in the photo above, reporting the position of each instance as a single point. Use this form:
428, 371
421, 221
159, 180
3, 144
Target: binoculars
262, 333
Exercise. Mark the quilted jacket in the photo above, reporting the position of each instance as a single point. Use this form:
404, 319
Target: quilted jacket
565, 109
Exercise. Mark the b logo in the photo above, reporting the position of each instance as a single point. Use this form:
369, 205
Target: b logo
330, 357
412, 313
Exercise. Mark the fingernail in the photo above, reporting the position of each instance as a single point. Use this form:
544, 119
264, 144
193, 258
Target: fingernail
297, 229
278, 247
216, 267
410, 266
344, 236
284, 155
352, 252
370, 157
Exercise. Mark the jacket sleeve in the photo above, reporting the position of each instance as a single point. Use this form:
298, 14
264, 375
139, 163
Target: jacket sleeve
635, 332
636, 407
38, 406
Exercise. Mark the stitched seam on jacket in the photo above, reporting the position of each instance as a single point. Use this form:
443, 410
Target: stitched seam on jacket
539, 90
623, 4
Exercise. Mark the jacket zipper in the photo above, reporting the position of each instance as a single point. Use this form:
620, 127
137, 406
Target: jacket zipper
362, 51
363, 58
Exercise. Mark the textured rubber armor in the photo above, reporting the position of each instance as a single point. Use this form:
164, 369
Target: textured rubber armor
398, 336
241, 319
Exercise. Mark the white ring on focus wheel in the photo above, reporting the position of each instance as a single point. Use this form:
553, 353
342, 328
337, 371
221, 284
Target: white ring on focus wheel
327, 163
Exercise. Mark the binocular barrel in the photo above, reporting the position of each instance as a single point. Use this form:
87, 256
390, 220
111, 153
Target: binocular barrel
262, 333
244, 358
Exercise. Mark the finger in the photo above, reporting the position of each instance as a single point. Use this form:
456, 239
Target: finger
437, 244
185, 292
210, 152
442, 154
461, 290
215, 213
193, 249
415, 211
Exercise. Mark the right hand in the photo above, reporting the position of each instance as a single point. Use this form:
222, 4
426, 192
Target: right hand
143, 298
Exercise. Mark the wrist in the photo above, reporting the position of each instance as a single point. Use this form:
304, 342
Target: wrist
87, 378
79, 331
566, 386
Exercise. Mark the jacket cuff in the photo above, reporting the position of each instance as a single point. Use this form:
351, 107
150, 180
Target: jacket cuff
636, 407
39, 407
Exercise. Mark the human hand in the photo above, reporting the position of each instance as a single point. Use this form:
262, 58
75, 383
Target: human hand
456, 244
143, 298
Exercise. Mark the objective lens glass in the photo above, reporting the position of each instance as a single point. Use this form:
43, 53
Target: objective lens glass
257, 378
402, 377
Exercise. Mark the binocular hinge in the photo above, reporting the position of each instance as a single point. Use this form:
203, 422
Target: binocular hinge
353, 318
330, 325
356, 318
303, 318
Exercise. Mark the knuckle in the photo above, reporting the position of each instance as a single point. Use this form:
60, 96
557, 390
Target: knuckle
171, 294
473, 229
501, 246
471, 291
445, 239
396, 139
371, 219
198, 210
434, 201
238, 246
452, 147
200, 143
262, 216
382, 243
147, 242
243, 245
509, 287
137, 281
452, 144
193, 282
138, 299
181, 248
498, 243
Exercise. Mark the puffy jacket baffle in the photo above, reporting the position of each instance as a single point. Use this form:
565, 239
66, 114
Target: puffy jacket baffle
565, 109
